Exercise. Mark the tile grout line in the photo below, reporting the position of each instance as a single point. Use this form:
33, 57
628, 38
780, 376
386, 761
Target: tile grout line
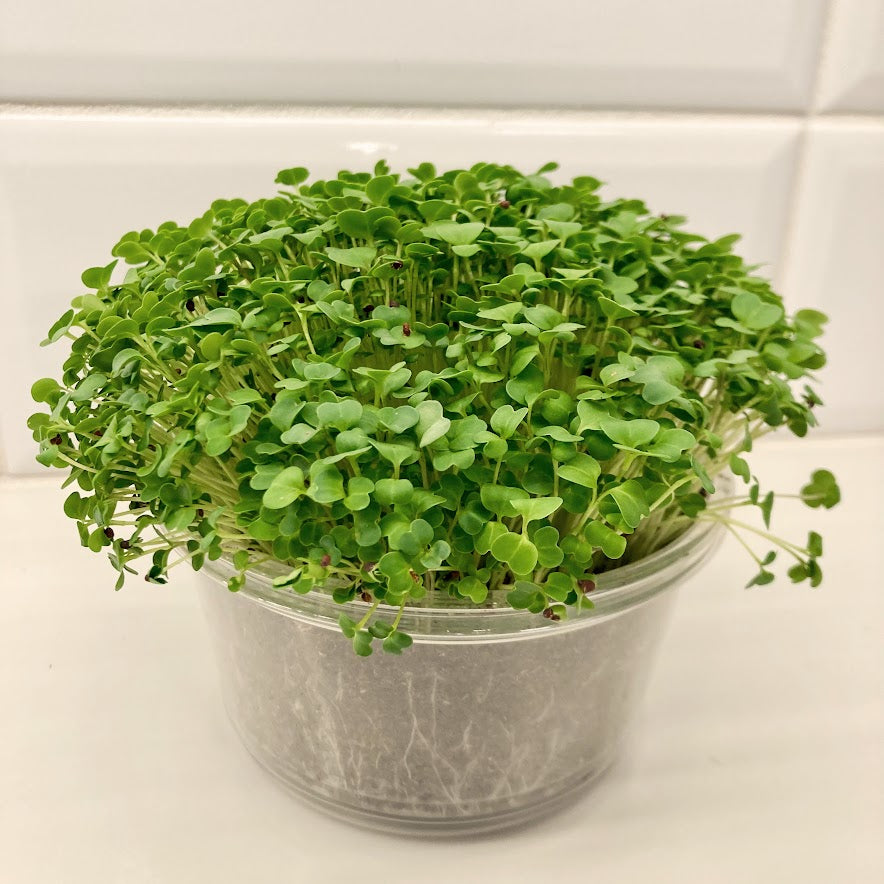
213, 112
202, 113
109, 111
800, 174
824, 53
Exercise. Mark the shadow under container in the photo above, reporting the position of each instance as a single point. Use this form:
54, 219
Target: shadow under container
492, 718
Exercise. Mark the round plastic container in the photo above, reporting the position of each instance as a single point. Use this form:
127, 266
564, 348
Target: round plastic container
493, 717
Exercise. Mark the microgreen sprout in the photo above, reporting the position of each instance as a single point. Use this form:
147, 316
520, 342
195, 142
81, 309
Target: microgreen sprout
474, 387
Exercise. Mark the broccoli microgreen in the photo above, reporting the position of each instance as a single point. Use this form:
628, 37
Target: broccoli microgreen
475, 385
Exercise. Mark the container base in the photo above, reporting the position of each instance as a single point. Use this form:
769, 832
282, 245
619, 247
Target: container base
495, 823
485, 726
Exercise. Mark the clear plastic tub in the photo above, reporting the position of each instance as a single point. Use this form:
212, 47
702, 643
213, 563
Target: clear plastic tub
493, 717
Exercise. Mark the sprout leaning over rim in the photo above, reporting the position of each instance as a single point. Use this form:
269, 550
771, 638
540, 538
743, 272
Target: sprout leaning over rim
475, 384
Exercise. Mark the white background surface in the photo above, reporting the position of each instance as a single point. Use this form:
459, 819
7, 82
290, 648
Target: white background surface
755, 758
606, 53
764, 117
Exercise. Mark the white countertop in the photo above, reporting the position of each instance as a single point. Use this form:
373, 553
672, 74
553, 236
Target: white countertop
758, 755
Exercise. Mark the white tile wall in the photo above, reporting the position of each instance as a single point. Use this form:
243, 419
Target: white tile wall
71, 184
837, 265
853, 66
805, 187
751, 54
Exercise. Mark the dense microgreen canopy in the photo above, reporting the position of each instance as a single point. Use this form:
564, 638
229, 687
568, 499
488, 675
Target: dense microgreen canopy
477, 385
